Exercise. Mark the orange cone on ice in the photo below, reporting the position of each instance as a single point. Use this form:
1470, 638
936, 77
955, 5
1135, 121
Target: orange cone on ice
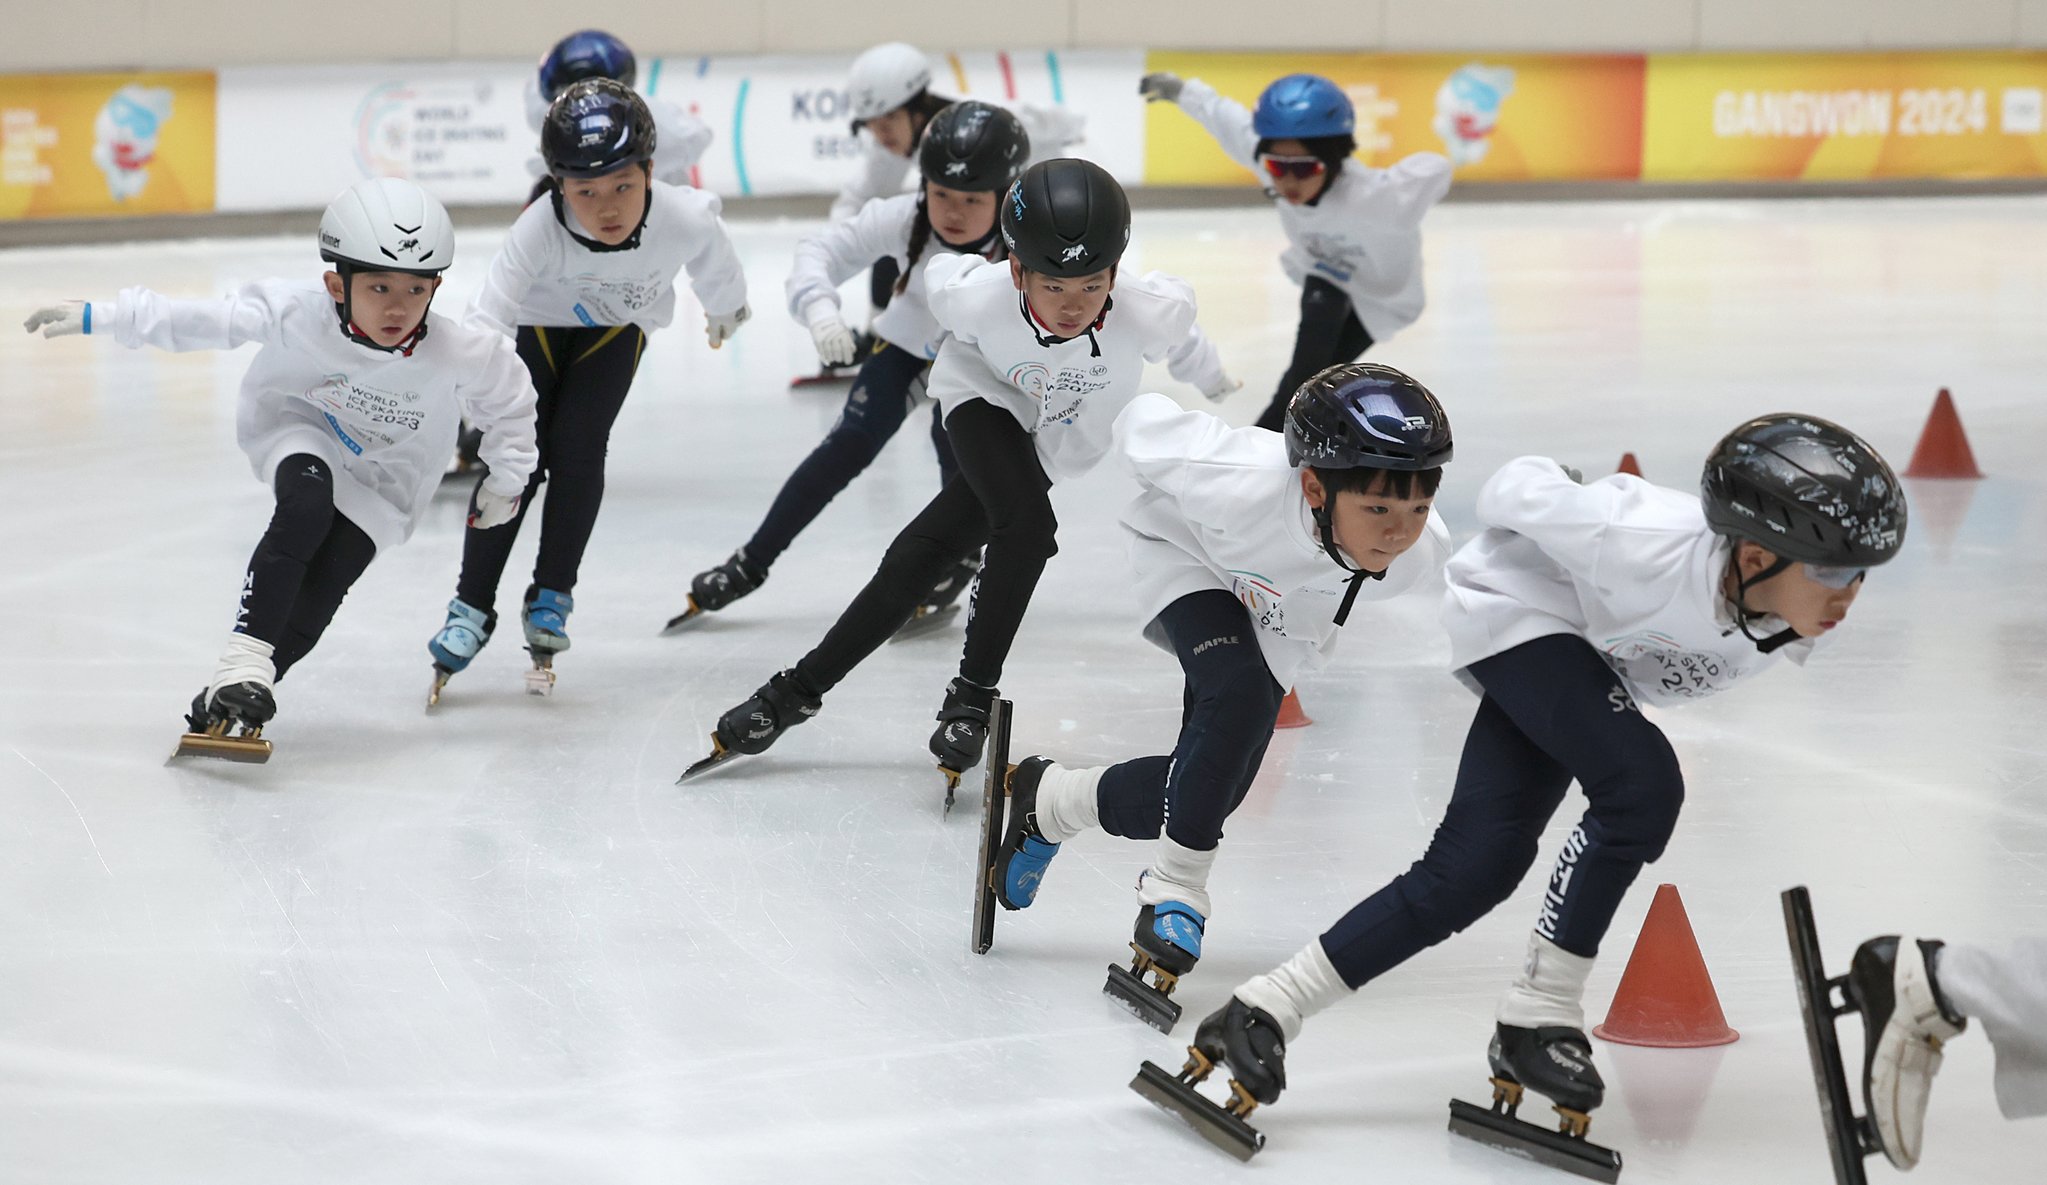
1290, 714
1630, 465
1666, 998
1943, 447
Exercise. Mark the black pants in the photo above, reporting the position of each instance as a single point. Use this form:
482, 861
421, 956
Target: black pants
582, 376
1227, 712
1001, 498
308, 559
1553, 711
881, 399
1329, 333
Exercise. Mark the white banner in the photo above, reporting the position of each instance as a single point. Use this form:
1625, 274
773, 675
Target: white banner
290, 138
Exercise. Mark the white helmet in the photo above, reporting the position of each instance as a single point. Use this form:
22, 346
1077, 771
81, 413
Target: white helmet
386, 224
886, 77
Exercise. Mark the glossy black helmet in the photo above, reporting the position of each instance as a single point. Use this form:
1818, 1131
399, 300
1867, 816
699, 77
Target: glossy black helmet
1066, 218
1808, 490
1365, 415
974, 147
595, 127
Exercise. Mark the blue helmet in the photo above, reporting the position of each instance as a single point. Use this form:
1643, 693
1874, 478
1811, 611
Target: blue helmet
592, 53
1303, 107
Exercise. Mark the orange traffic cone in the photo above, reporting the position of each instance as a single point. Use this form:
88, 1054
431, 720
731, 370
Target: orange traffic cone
1290, 714
1630, 465
1943, 447
1666, 998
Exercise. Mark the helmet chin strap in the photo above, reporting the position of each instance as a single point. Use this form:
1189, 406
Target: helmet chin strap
1023, 304
631, 241
344, 311
1327, 533
1743, 614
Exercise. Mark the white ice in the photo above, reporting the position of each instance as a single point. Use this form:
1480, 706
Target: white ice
498, 945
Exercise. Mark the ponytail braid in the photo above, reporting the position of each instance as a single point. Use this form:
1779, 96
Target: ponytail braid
920, 237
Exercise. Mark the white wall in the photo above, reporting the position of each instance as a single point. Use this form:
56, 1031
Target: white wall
151, 34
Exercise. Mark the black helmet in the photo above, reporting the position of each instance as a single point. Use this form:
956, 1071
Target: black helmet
591, 53
1066, 218
1364, 415
1808, 490
595, 126
974, 147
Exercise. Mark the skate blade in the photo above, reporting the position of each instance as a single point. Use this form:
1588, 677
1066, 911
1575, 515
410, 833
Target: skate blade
824, 378
926, 622
1211, 1121
994, 821
1516, 1137
251, 750
1143, 1001
952, 786
540, 681
719, 756
433, 694
1849, 1137
676, 623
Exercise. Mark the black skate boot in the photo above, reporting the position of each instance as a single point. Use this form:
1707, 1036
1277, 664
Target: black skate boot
751, 727
1165, 945
230, 726
962, 732
939, 607
718, 587
1248, 1041
1555, 1062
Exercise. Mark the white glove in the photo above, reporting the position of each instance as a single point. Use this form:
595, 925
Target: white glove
836, 345
61, 320
492, 509
1160, 87
1223, 389
719, 326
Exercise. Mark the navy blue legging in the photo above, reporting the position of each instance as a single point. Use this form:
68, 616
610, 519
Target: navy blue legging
1553, 711
308, 559
1226, 717
876, 407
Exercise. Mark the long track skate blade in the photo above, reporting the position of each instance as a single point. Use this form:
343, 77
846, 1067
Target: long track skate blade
1209, 1120
249, 750
824, 378
927, 623
719, 756
680, 621
994, 808
1847, 1136
1144, 1001
1544, 1146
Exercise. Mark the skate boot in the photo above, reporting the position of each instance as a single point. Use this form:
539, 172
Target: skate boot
939, 607
547, 634
1165, 946
1555, 1062
1248, 1041
228, 716
757, 723
1026, 853
459, 640
718, 587
962, 731
1905, 1020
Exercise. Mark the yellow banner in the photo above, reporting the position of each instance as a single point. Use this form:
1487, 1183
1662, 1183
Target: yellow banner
1504, 117
1851, 117
90, 145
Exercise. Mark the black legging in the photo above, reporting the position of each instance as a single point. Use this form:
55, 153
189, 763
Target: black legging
1329, 333
1002, 498
879, 402
308, 559
582, 376
881, 282
1227, 711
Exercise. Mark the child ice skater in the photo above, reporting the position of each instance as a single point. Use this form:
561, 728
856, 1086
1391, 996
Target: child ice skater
348, 412
1248, 550
1354, 241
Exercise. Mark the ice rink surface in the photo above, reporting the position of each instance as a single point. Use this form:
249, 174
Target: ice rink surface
498, 945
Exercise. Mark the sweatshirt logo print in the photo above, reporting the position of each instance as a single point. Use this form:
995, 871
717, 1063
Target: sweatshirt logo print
1060, 394
1257, 594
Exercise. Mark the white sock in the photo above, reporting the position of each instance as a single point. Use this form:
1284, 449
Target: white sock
246, 660
1551, 990
1296, 989
1177, 874
1067, 804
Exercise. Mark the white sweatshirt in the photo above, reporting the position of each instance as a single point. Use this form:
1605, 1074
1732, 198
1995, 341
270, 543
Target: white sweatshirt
1630, 567
1362, 235
843, 250
679, 137
1221, 508
543, 276
1066, 394
884, 174
386, 423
